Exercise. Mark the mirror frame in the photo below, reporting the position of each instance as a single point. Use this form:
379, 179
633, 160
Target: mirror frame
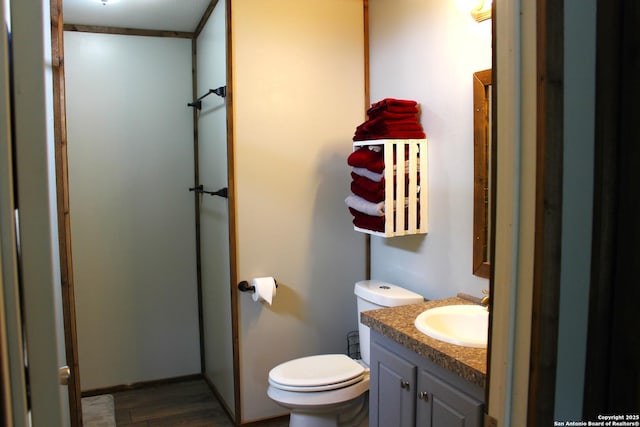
481, 168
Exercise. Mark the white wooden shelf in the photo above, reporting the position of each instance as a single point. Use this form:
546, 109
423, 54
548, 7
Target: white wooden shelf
410, 192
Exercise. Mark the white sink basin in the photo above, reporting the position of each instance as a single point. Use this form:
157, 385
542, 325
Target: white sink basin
465, 325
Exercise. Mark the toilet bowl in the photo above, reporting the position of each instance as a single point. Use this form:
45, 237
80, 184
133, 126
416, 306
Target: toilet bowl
326, 390
322, 391
331, 390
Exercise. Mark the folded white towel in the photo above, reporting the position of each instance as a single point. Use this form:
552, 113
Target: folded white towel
364, 206
406, 166
373, 176
395, 205
377, 177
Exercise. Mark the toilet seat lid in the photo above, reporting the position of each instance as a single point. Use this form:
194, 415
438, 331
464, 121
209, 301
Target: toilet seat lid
321, 372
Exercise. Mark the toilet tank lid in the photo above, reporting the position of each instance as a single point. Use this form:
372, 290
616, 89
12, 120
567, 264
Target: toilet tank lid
385, 294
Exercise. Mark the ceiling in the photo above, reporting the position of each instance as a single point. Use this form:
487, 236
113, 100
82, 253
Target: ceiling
168, 15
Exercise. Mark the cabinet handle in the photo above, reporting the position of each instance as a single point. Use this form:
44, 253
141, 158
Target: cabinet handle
404, 384
423, 395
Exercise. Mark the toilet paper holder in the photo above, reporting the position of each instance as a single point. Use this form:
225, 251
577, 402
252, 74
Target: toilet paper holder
244, 286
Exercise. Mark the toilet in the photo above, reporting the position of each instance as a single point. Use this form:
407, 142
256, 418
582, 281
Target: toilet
331, 390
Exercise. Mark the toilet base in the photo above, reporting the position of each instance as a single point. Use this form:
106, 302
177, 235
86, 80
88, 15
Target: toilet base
353, 414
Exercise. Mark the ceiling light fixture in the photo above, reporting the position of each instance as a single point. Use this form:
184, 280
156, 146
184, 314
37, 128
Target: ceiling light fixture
482, 11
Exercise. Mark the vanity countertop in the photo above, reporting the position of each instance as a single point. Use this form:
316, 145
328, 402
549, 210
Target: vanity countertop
396, 323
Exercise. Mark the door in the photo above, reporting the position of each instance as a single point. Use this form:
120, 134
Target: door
442, 405
36, 219
393, 385
14, 392
213, 210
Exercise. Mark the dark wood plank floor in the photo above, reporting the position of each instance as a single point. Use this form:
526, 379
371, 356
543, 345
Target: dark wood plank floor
189, 403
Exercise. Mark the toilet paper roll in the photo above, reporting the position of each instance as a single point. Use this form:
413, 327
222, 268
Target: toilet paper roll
265, 289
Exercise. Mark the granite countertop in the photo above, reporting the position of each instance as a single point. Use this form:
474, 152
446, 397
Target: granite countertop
396, 323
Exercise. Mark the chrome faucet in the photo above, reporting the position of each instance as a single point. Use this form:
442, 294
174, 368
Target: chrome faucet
485, 299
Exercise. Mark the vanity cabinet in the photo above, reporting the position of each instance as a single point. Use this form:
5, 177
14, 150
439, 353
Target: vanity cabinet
408, 390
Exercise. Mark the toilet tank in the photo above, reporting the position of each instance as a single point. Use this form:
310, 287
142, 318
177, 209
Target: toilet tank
374, 294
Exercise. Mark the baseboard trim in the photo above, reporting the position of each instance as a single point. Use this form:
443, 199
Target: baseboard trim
266, 421
139, 385
236, 422
218, 396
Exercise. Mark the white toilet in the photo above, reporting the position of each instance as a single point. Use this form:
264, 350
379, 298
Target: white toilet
330, 390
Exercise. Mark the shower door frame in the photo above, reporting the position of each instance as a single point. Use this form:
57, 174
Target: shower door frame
64, 227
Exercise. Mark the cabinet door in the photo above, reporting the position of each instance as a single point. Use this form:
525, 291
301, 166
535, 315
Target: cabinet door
442, 405
392, 391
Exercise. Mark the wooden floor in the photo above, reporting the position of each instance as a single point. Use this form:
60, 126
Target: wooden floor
189, 403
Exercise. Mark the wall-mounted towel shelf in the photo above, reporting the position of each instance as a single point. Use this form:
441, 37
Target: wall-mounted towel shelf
223, 192
220, 91
408, 158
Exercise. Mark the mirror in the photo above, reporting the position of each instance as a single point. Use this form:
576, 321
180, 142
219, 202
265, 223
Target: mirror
481, 174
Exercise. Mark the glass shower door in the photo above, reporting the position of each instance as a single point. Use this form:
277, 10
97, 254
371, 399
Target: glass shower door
214, 209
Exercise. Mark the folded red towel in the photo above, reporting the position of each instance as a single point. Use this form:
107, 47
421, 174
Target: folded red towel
391, 118
366, 183
373, 196
406, 154
382, 128
396, 113
377, 223
366, 158
373, 191
393, 109
368, 222
373, 176
404, 134
363, 223
379, 123
393, 105
386, 102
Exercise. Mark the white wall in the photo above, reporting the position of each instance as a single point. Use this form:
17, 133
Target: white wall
298, 91
132, 218
428, 51
214, 211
